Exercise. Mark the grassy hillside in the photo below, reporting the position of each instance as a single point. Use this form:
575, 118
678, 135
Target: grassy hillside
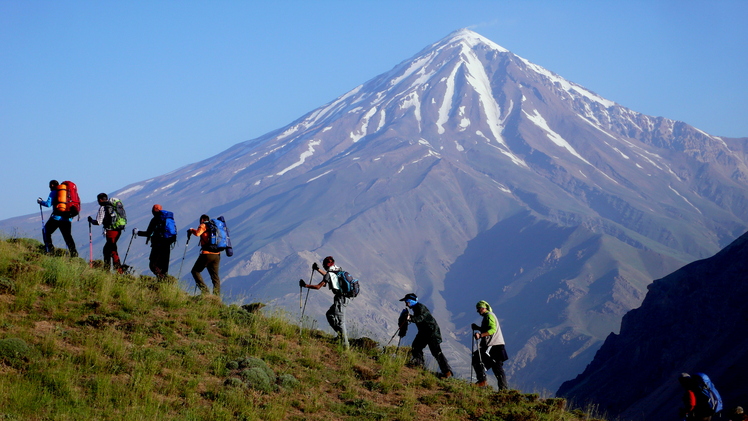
80, 343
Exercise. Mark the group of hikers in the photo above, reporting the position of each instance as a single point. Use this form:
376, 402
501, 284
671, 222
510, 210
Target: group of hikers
491, 352
161, 233
701, 400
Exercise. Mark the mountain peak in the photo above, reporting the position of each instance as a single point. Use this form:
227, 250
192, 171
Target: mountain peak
472, 39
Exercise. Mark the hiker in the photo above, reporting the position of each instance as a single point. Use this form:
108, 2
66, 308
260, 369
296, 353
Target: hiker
491, 352
112, 218
59, 219
162, 234
700, 398
336, 314
428, 335
208, 259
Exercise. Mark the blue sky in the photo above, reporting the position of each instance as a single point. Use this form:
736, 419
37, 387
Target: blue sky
109, 93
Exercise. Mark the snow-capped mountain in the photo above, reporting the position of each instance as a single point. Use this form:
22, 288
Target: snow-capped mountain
465, 173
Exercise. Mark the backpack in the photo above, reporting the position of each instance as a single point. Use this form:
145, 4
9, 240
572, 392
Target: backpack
347, 284
402, 323
117, 214
229, 249
706, 388
167, 227
68, 202
218, 235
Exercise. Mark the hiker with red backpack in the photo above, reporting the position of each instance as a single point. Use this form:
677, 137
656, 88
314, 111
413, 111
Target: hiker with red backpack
162, 233
491, 352
63, 199
112, 218
336, 314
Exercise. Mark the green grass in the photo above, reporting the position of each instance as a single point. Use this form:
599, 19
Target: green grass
81, 343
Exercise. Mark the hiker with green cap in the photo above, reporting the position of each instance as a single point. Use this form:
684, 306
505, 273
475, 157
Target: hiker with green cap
428, 335
491, 352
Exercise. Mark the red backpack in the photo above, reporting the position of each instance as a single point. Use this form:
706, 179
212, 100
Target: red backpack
68, 202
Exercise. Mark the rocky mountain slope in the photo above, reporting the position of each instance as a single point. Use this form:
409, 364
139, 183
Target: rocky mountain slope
693, 320
464, 173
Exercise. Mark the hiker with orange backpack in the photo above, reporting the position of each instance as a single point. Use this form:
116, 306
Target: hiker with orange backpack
62, 199
112, 218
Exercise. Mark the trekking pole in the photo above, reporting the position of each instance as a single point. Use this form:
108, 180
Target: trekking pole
183, 255
472, 353
44, 230
90, 246
301, 319
128, 249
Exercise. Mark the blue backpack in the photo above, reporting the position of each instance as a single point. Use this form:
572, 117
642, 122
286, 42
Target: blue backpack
706, 388
167, 228
219, 237
348, 284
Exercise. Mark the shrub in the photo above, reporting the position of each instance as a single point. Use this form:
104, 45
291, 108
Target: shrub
288, 382
257, 379
252, 362
7, 286
13, 351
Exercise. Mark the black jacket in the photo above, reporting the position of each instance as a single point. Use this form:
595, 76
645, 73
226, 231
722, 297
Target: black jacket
425, 322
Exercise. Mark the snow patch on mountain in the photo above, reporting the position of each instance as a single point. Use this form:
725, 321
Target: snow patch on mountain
304, 155
555, 137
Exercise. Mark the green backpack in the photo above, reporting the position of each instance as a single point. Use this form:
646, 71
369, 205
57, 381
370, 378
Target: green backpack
117, 215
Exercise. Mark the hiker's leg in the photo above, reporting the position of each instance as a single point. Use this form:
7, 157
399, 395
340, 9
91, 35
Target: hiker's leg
419, 343
153, 262
108, 245
196, 269
480, 369
49, 228
65, 227
436, 351
213, 262
332, 317
497, 356
165, 254
158, 260
339, 303
498, 371
116, 234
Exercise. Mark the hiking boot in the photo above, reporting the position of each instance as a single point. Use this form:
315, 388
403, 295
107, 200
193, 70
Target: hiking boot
483, 383
446, 375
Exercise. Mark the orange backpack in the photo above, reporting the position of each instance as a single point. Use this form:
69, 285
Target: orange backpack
68, 202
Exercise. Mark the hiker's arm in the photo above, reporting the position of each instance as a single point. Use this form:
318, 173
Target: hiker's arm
99, 217
46, 203
149, 230
318, 286
199, 231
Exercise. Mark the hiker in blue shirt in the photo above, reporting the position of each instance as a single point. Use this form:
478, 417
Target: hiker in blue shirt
58, 219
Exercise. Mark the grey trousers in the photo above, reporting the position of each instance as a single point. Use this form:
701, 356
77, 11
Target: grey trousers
336, 317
